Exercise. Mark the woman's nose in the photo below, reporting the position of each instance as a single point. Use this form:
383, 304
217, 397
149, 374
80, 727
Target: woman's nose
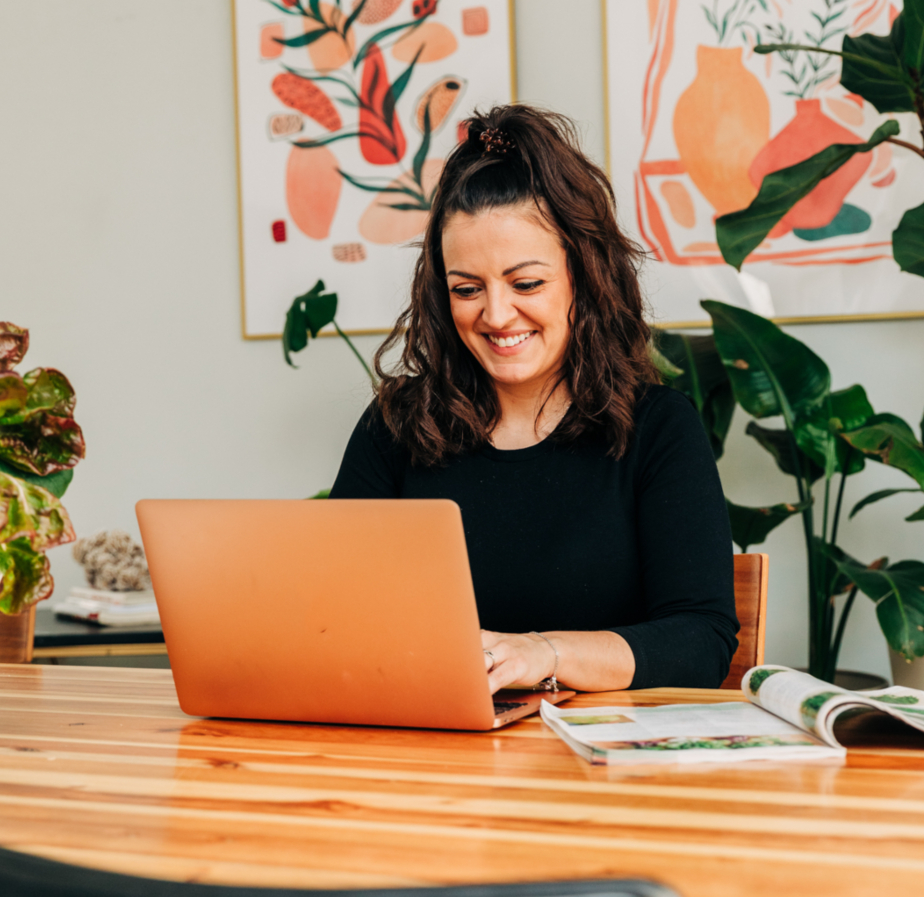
499, 312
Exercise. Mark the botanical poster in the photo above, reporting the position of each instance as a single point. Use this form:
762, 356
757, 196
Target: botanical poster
346, 112
697, 118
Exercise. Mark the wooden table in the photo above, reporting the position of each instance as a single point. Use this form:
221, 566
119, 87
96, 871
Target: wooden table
99, 767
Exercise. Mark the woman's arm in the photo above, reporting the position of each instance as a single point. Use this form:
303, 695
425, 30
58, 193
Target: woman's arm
587, 661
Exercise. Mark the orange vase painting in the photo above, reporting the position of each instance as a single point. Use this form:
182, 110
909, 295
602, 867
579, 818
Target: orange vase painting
346, 111
697, 119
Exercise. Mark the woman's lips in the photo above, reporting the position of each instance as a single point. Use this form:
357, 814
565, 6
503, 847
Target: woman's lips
519, 341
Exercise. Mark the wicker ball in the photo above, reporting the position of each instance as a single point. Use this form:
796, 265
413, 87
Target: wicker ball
113, 561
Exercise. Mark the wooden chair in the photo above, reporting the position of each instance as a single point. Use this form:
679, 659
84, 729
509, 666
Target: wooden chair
751, 607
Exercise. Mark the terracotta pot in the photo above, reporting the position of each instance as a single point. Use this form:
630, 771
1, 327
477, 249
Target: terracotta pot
721, 122
911, 675
808, 133
16, 635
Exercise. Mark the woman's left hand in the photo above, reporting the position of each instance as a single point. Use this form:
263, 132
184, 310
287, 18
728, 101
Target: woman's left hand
522, 659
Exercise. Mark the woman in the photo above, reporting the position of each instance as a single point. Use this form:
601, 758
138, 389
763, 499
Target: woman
594, 518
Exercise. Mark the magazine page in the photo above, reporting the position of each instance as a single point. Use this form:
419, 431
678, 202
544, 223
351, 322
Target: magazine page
681, 733
815, 705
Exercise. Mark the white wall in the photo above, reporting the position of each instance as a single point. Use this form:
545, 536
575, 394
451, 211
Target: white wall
118, 231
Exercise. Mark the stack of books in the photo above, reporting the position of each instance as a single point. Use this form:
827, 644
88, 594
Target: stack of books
110, 608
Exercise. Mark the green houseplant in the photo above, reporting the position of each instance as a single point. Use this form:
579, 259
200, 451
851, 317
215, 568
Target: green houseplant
40, 442
826, 436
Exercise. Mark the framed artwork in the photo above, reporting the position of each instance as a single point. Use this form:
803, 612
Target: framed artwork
345, 112
696, 118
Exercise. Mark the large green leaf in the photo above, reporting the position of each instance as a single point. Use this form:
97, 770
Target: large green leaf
740, 233
913, 49
908, 241
770, 372
878, 496
702, 378
789, 458
30, 512
308, 314
42, 445
872, 67
13, 396
887, 438
817, 432
898, 591
834, 580
750, 526
56, 483
25, 576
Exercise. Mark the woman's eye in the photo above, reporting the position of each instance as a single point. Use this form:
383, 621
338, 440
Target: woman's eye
464, 292
524, 286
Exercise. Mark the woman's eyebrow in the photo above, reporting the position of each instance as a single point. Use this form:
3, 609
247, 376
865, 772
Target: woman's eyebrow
505, 273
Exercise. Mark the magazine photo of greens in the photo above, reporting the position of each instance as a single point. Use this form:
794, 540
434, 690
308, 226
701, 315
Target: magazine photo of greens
788, 715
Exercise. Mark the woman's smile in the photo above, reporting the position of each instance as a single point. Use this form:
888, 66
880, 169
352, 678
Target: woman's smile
509, 343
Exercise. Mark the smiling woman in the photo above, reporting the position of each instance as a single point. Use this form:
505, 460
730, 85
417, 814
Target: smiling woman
596, 528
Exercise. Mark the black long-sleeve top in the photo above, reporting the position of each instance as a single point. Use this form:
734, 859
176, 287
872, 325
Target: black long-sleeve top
565, 537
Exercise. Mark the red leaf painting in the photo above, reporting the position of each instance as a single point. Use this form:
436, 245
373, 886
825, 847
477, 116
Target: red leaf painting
381, 140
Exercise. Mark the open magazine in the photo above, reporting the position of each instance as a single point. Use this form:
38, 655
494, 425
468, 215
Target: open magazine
790, 714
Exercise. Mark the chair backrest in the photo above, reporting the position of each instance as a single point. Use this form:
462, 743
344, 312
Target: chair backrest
751, 607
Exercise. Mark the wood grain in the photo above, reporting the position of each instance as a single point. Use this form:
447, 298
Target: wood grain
99, 767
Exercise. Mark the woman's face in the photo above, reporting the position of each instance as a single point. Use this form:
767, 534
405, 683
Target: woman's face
510, 292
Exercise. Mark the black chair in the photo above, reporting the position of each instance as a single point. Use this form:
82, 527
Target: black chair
22, 875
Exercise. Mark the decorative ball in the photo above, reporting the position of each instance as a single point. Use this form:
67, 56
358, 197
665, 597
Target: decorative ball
112, 561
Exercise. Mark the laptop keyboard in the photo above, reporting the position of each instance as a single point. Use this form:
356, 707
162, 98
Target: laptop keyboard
506, 706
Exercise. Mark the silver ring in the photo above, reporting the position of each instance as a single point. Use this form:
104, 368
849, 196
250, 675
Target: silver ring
493, 658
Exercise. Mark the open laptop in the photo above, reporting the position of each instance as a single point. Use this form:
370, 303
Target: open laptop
347, 611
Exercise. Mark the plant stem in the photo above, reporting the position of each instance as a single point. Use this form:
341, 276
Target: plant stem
906, 145
824, 519
840, 494
362, 360
808, 526
841, 624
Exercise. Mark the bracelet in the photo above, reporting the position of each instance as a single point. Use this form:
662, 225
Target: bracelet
550, 684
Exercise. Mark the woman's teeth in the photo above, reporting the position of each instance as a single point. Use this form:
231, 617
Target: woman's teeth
506, 342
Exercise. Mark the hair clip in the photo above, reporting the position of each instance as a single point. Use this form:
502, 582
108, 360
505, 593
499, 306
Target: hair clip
496, 141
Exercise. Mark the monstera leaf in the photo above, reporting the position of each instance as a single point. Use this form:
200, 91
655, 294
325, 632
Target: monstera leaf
771, 372
701, 378
898, 590
308, 315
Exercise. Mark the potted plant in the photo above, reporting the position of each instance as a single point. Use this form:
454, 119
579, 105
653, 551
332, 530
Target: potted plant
825, 437
40, 442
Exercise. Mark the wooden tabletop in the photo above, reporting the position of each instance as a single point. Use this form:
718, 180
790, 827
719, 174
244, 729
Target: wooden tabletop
100, 767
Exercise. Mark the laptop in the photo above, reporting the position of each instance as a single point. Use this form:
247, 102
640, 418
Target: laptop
350, 611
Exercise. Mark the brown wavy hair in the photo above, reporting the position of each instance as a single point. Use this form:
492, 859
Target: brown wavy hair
439, 401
